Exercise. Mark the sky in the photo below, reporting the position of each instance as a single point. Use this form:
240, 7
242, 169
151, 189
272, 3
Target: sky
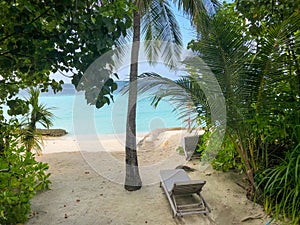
188, 33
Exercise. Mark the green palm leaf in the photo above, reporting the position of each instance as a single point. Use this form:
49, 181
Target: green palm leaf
39, 114
199, 11
160, 30
161, 33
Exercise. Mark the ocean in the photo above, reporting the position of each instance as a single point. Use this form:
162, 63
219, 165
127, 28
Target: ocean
76, 117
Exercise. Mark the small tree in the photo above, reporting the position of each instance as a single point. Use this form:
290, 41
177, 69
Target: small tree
38, 114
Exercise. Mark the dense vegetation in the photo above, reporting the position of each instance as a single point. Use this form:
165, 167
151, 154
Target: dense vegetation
253, 50
37, 38
21, 177
251, 47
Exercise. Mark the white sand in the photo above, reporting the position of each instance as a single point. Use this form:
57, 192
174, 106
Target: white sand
87, 185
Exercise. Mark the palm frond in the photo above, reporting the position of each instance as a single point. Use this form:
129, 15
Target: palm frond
44, 116
122, 48
143, 5
160, 34
225, 50
195, 8
170, 36
273, 57
192, 96
159, 88
160, 30
199, 11
31, 140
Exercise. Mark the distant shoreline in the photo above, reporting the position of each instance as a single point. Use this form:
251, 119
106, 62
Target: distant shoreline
105, 142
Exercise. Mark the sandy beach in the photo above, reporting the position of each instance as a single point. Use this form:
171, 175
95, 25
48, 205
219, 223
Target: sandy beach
87, 184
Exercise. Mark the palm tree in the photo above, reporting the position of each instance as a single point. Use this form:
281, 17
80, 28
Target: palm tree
253, 82
154, 20
39, 113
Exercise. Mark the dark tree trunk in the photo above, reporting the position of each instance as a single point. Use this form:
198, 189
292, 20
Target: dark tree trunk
132, 180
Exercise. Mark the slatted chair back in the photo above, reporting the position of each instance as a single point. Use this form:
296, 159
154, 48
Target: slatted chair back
188, 187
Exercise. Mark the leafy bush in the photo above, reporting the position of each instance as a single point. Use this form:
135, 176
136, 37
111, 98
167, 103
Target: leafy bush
21, 177
225, 159
202, 143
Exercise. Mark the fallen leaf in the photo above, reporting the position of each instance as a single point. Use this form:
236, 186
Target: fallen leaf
252, 217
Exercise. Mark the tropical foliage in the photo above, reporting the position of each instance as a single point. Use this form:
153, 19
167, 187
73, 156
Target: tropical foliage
21, 177
38, 114
256, 63
280, 185
37, 38
257, 68
250, 48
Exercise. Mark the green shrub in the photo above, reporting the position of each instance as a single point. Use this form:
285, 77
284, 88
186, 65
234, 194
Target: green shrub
225, 159
21, 177
281, 187
202, 143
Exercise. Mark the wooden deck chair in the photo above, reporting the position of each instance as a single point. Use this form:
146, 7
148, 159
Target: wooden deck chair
183, 193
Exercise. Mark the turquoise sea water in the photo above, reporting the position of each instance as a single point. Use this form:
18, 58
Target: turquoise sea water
71, 111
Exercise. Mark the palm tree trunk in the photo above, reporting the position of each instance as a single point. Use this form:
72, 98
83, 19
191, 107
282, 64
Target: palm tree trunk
132, 180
